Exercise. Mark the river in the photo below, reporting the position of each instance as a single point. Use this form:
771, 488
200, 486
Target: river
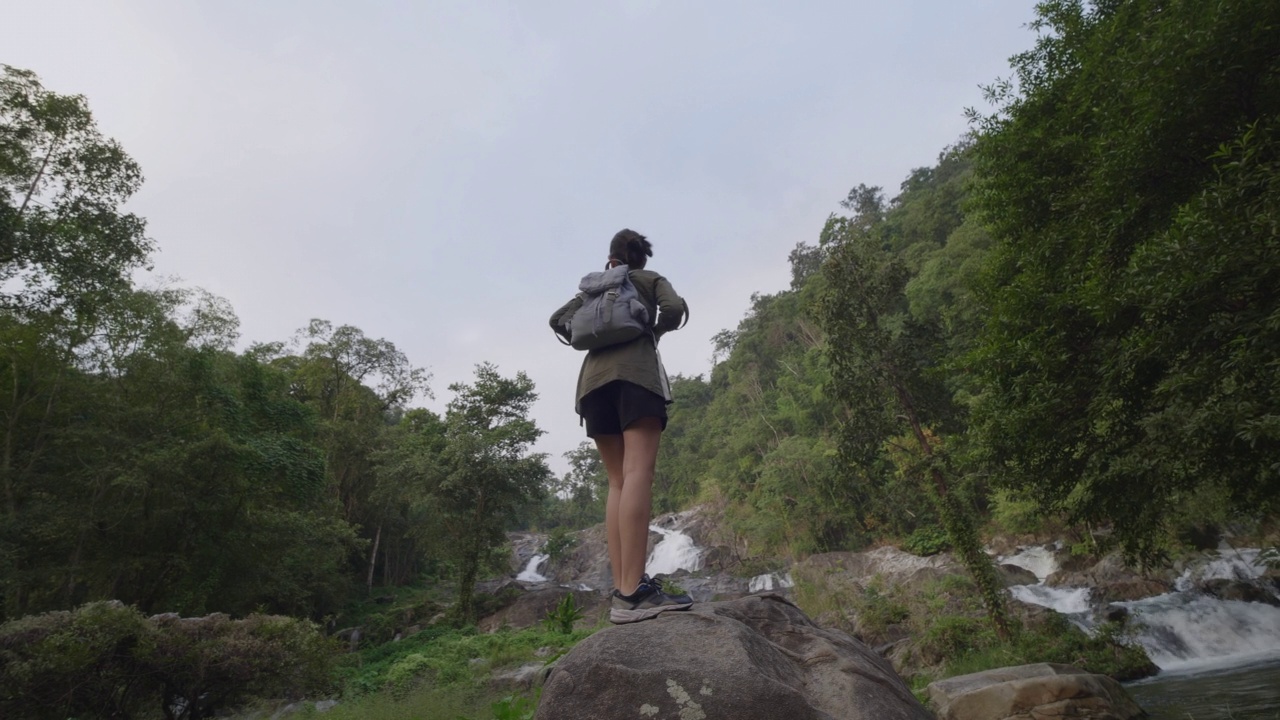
1219, 659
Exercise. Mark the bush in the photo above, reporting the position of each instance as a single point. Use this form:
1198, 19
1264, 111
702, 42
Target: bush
558, 543
878, 611
562, 617
927, 540
76, 664
108, 660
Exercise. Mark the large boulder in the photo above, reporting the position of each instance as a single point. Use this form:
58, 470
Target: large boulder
586, 563
1032, 692
1014, 575
1112, 580
755, 658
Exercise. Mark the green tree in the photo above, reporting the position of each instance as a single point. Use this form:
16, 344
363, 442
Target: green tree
487, 472
408, 468
358, 386
881, 360
1128, 179
64, 239
584, 488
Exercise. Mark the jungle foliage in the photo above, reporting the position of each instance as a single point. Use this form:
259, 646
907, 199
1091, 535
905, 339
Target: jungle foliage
1071, 318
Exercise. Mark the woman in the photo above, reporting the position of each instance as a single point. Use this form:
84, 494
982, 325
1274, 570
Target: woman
622, 398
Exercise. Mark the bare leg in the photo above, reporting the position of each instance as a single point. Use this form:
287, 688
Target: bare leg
611, 453
640, 441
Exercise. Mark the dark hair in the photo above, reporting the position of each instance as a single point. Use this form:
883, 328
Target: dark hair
630, 247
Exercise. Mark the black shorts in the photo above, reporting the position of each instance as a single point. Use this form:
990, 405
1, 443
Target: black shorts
609, 409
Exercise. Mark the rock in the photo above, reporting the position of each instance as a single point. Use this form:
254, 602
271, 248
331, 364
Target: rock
1111, 581
532, 608
718, 558
891, 565
1241, 590
720, 586
1032, 692
587, 562
1016, 575
351, 636
524, 677
524, 545
325, 705
755, 658
1114, 614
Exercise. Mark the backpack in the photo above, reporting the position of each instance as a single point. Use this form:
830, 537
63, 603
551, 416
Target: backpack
611, 311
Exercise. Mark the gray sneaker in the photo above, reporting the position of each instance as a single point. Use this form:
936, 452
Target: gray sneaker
646, 602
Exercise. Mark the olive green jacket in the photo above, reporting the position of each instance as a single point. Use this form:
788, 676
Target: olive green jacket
635, 361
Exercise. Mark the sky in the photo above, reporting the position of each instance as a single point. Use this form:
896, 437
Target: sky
442, 174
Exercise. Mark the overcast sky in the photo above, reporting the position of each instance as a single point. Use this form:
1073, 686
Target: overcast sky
441, 174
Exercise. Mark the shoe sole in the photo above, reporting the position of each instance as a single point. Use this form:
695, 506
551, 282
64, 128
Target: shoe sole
618, 616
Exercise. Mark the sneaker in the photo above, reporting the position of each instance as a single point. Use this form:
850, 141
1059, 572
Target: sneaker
646, 602
660, 582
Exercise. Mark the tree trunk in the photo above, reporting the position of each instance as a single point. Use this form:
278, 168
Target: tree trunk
958, 525
373, 559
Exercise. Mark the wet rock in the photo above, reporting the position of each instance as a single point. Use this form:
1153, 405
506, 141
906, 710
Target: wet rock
1114, 614
1112, 581
1240, 590
1031, 692
524, 545
1015, 575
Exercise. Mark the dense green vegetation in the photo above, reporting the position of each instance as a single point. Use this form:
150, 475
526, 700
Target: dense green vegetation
1070, 323
146, 461
1072, 317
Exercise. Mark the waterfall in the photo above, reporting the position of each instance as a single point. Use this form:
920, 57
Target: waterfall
767, 581
1068, 601
1190, 629
1039, 560
675, 551
1184, 629
530, 572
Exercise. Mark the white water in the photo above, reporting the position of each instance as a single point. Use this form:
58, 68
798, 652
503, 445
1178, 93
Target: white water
1185, 630
675, 551
530, 572
1039, 560
1068, 601
1182, 630
1228, 564
767, 581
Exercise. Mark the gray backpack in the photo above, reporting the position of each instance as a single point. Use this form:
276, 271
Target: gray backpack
611, 311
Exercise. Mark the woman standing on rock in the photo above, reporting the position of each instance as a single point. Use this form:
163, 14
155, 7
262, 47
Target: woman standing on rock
622, 398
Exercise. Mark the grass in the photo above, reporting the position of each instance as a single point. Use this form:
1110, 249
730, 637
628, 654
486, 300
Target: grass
428, 703
448, 658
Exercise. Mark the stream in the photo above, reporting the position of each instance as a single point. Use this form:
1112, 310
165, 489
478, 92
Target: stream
1219, 659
